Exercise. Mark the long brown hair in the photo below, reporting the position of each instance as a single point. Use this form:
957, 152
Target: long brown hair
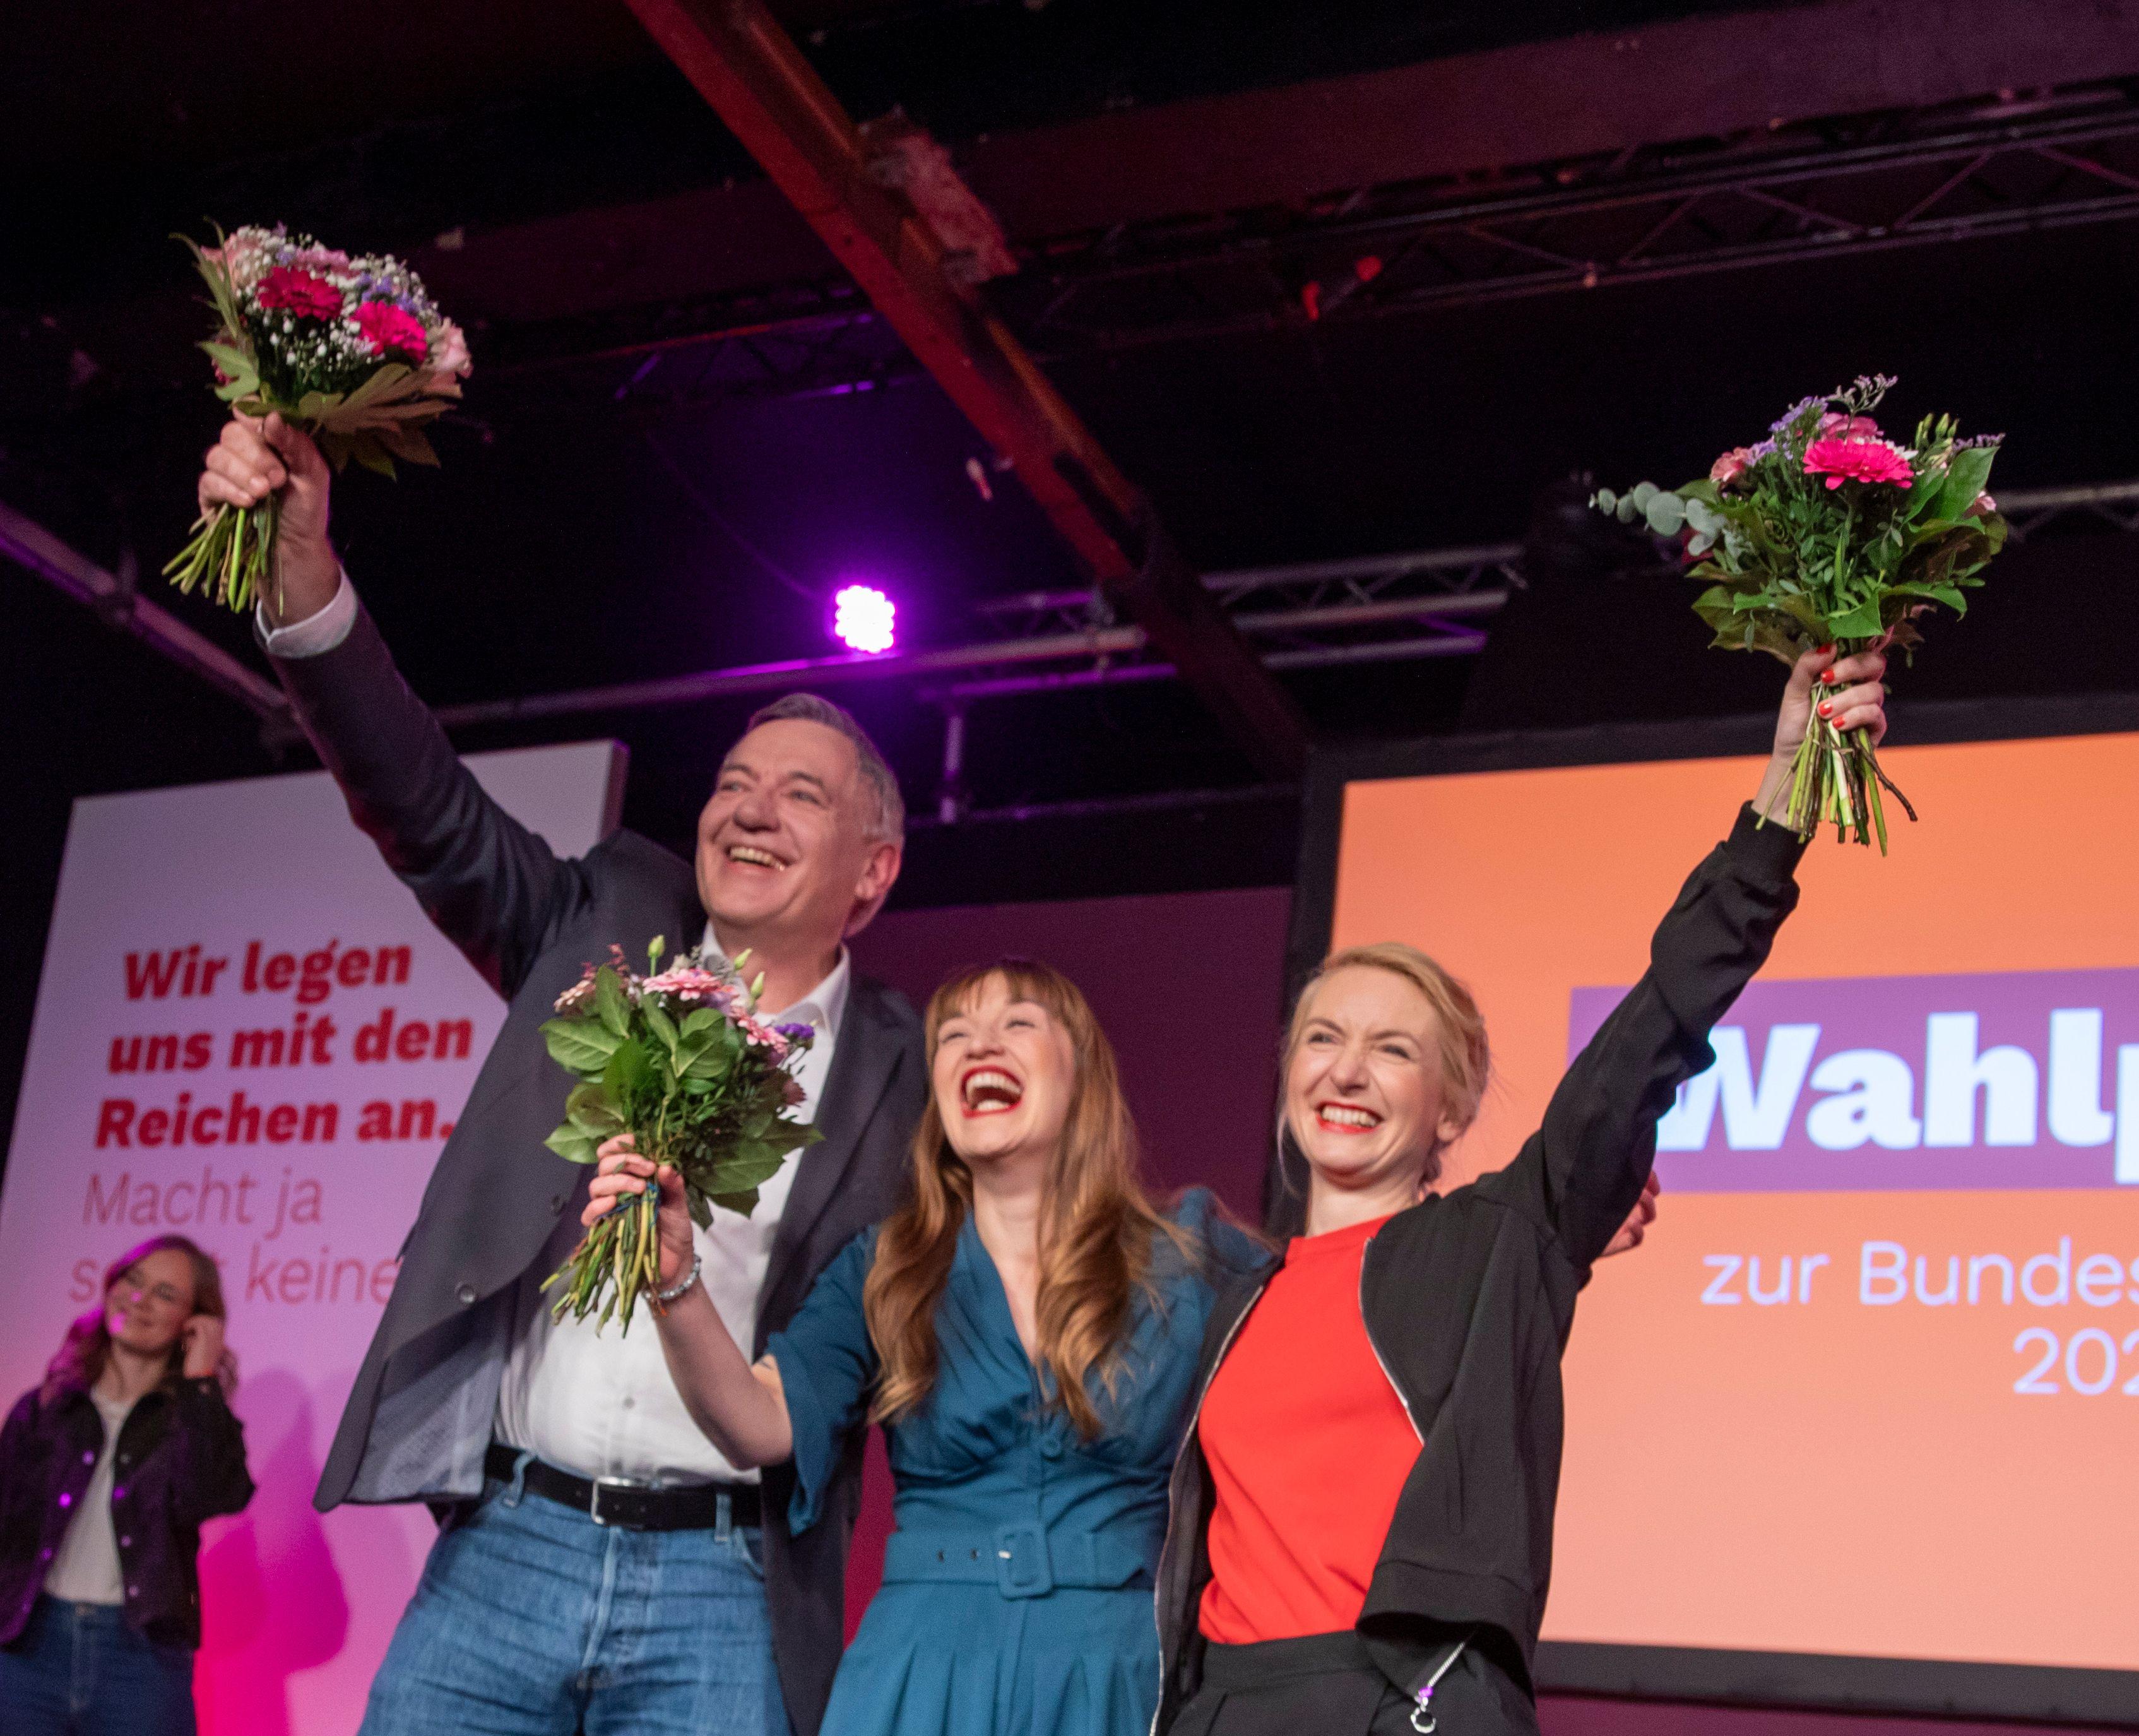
1097, 1226
87, 1346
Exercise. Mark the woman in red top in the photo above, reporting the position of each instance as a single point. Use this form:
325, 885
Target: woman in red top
1361, 1528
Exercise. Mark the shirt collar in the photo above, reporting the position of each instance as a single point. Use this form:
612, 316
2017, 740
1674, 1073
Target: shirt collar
825, 1006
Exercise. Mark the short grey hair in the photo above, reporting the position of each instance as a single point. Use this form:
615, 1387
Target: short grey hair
884, 821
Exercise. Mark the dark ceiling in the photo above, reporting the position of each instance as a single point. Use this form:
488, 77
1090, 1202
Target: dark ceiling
626, 495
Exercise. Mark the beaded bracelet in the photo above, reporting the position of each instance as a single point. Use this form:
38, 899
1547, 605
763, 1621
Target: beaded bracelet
675, 1293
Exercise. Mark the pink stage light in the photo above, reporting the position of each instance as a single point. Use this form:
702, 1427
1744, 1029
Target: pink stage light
863, 617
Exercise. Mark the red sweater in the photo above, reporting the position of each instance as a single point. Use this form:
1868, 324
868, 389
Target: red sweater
1309, 1447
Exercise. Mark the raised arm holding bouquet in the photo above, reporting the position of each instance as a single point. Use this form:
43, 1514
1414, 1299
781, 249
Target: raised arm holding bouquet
1828, 532
351, 348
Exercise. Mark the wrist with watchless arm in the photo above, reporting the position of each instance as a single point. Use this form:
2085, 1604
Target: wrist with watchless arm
664, 1299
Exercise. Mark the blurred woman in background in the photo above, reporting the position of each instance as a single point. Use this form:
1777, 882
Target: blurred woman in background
107, 1470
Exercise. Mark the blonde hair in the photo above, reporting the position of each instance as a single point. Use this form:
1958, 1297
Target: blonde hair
1096, 1230
1458, 1033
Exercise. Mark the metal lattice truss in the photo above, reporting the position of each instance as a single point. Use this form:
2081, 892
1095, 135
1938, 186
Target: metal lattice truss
1374, 609
1812, 190
1800, 193
1320, 615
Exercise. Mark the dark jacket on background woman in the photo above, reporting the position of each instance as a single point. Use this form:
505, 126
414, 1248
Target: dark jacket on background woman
1468, 1298
180, 1461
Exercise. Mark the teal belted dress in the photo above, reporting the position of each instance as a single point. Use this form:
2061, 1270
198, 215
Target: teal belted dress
1017, 1590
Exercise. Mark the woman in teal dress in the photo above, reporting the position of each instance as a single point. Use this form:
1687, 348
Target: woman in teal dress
1026, 1329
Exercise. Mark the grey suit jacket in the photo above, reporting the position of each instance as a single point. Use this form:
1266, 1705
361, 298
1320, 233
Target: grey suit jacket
420, 1416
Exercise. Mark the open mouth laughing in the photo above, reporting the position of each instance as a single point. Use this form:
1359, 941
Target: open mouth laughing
749, 855
990, 1090
1346, 1118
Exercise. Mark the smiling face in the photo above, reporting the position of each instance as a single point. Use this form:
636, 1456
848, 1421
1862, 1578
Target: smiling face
785, 859
1005, 1075
1364, 1090
148, 1305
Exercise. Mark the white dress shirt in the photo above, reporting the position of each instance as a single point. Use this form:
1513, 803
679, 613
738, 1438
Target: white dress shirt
315, 634
603, 1404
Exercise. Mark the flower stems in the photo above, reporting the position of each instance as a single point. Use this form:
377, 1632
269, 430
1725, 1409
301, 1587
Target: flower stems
1836, 778
618, 1261
231, 550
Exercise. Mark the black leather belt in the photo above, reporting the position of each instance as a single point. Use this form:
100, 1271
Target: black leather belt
628, 1506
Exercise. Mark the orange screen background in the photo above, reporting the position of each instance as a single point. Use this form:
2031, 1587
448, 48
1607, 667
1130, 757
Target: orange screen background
1826, 1479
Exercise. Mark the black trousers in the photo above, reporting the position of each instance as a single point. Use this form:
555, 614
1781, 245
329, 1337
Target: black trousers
1329, 1684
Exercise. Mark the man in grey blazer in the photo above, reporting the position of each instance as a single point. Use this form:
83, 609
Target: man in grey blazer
599, 1565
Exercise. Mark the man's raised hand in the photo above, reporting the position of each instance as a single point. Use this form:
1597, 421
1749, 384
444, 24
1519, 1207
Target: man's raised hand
253, 459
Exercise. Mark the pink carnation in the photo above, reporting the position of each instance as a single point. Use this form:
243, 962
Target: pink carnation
1836, 426
687, 983
300, 293
317, 258
1732, 465
391, 330
449, 361
238, 255
1861, 461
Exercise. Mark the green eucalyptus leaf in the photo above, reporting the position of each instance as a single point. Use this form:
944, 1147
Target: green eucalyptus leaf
366, 450
1862, 622
571, 1145
593, 1111
1965, 477
611, 1005
660, 1023
578, 1045
629, 1071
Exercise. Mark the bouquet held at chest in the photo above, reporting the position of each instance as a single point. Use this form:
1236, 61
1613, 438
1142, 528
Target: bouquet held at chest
679, 1059
349, 347
1830, 532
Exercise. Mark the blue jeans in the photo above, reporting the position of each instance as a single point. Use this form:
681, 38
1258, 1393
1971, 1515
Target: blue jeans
78, 1670
530, 1620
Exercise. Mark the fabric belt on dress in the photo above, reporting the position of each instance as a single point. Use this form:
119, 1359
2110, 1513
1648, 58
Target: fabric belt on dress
1024, 1560
628, 1505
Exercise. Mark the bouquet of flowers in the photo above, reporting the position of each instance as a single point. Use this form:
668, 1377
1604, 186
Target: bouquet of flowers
1829, 532
349, 348
679, 1058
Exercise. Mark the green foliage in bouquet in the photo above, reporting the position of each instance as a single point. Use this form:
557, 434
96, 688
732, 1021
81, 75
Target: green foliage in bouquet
1828, 532
679, 1059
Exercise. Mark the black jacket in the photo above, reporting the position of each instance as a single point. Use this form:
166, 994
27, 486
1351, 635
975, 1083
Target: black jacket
180, 1460
419, 1415
1468, 1298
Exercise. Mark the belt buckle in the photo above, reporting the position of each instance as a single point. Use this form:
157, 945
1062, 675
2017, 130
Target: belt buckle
594, 1499
1022, 1569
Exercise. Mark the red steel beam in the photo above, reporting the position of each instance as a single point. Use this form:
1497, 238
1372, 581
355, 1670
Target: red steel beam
747, 67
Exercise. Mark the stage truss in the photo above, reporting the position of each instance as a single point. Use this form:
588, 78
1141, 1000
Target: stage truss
1807, 192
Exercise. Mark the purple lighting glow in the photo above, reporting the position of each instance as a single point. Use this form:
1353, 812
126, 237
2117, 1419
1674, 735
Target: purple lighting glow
863, 617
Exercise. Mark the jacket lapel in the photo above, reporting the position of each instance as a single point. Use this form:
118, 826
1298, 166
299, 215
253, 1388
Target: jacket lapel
867, 1056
